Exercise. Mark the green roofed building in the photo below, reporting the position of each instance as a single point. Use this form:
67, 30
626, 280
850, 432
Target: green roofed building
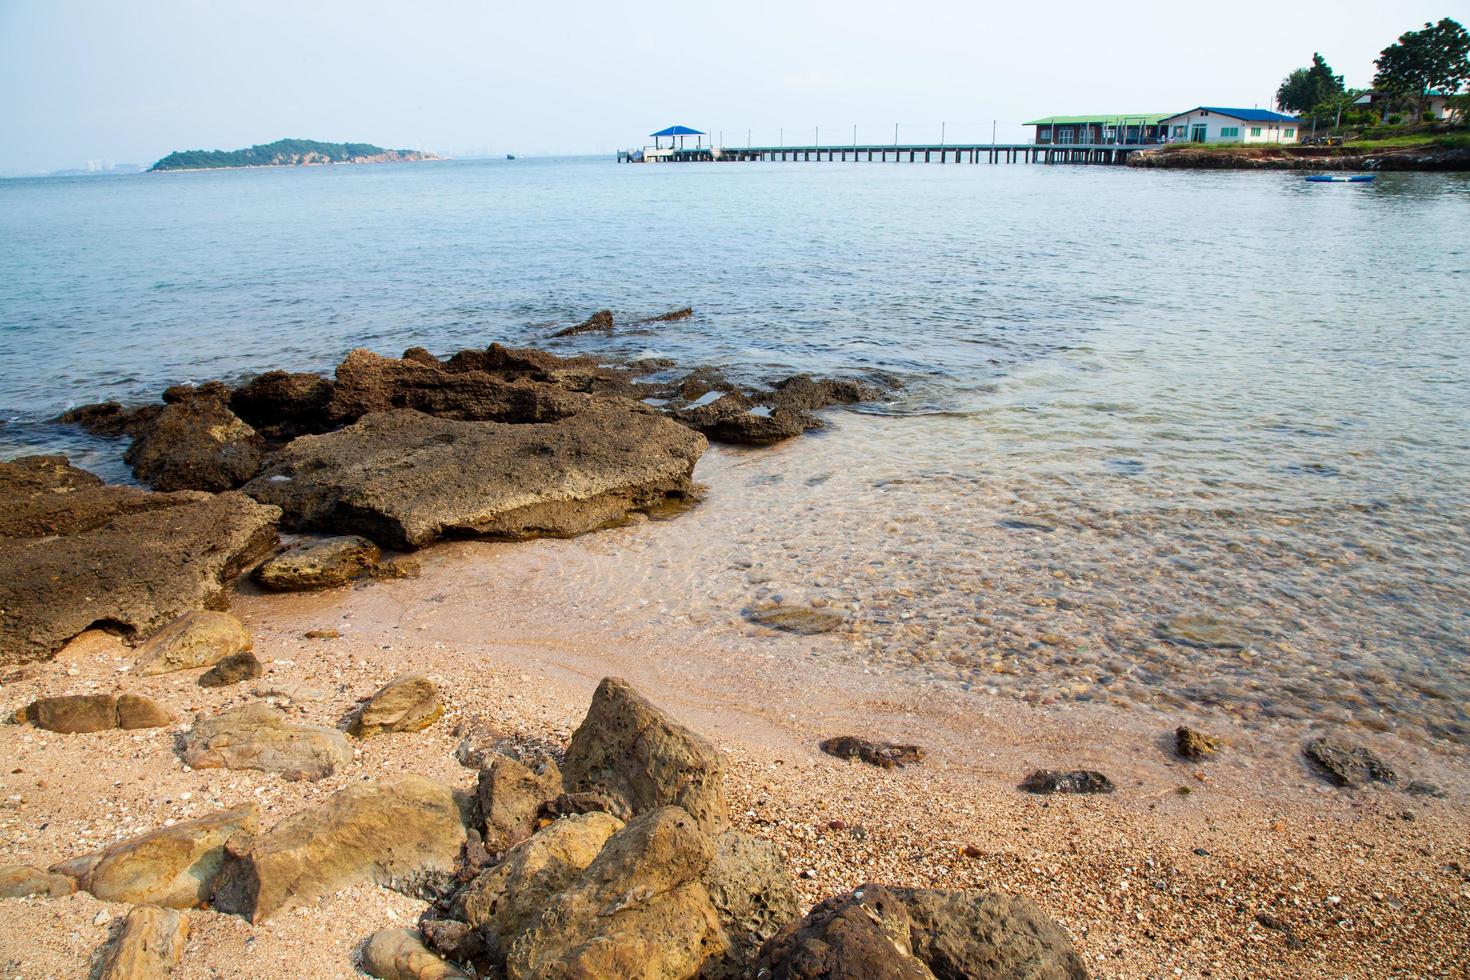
1121, 127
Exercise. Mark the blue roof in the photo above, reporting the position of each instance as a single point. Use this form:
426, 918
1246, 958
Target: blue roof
677, 131
1249, 115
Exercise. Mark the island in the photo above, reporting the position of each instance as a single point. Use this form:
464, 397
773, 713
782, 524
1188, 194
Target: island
286, 153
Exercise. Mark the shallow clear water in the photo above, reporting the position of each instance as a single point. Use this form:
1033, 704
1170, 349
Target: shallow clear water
1129, 396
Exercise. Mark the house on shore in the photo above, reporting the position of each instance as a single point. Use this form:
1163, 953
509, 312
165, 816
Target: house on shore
1436, 104
1116, 127
1212, 124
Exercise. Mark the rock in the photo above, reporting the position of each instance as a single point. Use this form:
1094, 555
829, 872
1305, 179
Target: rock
638, 910
453, 939
391, 834
407, 479
599, 322
1206, 632
1076, 781
327, 634
172, 866
803, 620
150, 945
752, 897
75, 554
319, 564
405, 567
504, 900
281, 406
805, 393
398, 954
199, 638
195, 443
409, 703
81, 713
23, 881
885, 755
511, 796
922, 934
597, 801
634, 752
109, 418
1348, 766
237, 667
1192, 744
1287, 933
682, 313
257, 736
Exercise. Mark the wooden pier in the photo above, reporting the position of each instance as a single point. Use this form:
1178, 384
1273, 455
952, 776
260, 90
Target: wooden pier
1043, 153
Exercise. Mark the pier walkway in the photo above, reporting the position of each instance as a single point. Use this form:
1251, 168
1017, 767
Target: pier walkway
1097, 153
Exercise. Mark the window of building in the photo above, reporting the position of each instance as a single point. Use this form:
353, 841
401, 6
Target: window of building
1255, 130
1288, 133
1180, 130
1230, 132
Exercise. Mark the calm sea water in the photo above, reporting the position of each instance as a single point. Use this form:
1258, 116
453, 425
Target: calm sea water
1129, 396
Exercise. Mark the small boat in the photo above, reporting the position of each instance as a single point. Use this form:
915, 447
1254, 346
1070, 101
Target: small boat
1341, 178
510, 156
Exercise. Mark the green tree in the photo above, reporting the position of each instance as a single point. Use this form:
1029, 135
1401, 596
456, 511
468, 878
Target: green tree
1436, 59
1305, 89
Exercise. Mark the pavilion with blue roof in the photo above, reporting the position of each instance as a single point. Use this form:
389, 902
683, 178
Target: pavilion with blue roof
675, 132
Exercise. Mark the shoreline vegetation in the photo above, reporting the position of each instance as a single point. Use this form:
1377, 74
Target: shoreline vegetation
286, 153
1444, 151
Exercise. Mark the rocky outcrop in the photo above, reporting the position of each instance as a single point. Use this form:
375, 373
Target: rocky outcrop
73, 714
200, 638
237, 667
150, 945
923, 934
406, 479
632, 751
318, 564
599, 322
1045, 781
257, 736
398, 954
281, 405
110, 418
511, 796
195, 443
391, 834
409, 703
1287, 157
1348, 766
24, 881
884, 755
172, 866
115, 556
753, 900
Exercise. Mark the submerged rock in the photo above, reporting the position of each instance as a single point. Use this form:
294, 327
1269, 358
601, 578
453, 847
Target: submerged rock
407, 479
398, 954
172, 866
1348, 766
1193, 744
632, 751
803, 620
195, 443
75, 714
257, 736
1206, 631
599, 322
319, 564
1075, 781
200, 638
885, 755
75, 554
391, 834
409, 703
150, 945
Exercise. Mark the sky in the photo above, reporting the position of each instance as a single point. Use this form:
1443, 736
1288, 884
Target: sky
132, 81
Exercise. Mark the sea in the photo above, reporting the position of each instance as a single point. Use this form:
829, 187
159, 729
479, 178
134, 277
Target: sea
1183, 440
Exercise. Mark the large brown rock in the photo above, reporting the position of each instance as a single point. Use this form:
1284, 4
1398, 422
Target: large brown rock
320, 563
631, 750
196, 443
638, 910
406, 479
753, 900
408, 703
81, 713
150, 945
75, 554
281, 406
922, 934
199, 638
257, 736
398, 954
511, 795
392, 834
172, 866
23, 881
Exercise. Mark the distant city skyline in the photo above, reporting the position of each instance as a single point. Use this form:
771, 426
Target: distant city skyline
82, 82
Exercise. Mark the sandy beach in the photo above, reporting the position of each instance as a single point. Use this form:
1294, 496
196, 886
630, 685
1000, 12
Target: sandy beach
1246, 865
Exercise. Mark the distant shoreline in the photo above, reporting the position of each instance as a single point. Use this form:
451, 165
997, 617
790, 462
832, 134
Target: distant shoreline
426, 158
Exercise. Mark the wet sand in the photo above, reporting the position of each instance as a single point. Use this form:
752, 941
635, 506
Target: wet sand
1164, 877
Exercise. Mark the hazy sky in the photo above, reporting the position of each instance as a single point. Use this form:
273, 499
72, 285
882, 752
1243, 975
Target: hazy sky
130, 81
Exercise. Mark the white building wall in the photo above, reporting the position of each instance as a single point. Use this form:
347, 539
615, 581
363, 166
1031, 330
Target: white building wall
1217, 127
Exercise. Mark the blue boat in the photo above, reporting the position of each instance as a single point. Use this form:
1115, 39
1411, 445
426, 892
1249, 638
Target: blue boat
1341, 178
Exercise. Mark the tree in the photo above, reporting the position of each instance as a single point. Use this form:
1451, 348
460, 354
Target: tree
1305, 89
1436, 59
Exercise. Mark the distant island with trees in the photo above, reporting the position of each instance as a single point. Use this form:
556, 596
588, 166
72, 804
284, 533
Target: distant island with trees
286, 153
